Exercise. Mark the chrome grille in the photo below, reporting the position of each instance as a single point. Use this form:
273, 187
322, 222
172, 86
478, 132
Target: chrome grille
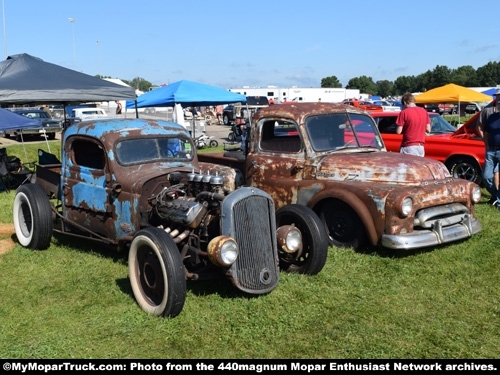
252, 224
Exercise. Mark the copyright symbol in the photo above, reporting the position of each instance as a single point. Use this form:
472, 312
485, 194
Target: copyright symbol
7, 366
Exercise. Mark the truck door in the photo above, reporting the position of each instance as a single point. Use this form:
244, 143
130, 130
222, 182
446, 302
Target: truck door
278, 156
85, 178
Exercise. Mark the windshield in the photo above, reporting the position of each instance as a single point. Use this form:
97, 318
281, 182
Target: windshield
145, 150
342, 130
440, 125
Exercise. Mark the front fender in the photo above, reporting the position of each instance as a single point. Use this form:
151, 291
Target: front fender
357, 204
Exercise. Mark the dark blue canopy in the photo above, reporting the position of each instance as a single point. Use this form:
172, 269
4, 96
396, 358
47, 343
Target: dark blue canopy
12, 121
186, 93
28, 79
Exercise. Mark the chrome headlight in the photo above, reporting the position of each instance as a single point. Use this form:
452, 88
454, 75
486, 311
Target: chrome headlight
406, 206
222, 251
289, 239
476, 194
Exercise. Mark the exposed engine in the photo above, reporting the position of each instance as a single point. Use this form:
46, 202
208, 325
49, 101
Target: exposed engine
190, 213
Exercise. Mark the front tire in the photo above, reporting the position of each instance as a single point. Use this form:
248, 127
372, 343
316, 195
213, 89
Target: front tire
225, 119
32, 215
156, 273
214, 143
314, 239
343, 226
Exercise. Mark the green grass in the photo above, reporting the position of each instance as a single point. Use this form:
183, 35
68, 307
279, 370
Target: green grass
74, 301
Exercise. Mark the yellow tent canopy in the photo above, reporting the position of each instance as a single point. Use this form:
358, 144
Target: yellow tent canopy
451, 93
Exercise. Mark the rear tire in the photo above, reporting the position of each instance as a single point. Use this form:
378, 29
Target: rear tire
32, 215
314, 239
214, 143
157, 273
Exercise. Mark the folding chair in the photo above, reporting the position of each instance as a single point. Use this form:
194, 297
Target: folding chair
45, 157
13, 174
4, 175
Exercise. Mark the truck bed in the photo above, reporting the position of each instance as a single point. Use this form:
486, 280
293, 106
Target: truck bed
48, 176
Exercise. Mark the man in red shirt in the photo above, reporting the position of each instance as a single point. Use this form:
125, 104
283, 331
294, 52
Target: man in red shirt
413, 122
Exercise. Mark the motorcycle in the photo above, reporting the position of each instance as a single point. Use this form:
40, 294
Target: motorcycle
204, 140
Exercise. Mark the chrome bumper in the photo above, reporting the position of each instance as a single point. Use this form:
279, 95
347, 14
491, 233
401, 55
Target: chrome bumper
436, 235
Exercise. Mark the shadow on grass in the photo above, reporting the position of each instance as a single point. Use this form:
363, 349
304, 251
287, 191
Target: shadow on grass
220, 286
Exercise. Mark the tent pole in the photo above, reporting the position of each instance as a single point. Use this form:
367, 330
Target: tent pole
24, 146
46, 140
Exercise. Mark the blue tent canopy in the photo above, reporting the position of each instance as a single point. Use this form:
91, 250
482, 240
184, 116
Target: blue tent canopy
491, 92
12, 121
186, 93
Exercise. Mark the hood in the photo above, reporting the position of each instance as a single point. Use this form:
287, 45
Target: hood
380, 167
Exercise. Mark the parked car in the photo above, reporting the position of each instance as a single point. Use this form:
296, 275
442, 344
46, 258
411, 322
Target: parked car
88, 113
442, 109
462, 150
472, 108
387, 105
239, 110
49, 126
367, 106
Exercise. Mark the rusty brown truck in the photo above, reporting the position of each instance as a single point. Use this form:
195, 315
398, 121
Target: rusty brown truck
331, 158
137, 185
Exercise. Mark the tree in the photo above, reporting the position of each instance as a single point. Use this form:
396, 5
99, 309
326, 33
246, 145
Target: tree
139, 84
404, 84
489, 74
385, 88
364, 84
464, 76
331, 81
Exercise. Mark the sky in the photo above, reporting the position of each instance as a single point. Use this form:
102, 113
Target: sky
255, 43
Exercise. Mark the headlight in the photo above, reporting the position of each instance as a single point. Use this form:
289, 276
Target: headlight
476, 194
222, 251
406, 206
289, 239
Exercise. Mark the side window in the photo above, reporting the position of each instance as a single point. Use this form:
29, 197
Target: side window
387, 125
88, 154
280, 136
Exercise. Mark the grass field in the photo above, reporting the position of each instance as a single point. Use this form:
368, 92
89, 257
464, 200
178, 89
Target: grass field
74, 301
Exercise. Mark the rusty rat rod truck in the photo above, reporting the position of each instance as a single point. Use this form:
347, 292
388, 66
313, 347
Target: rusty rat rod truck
331, 158
138, 185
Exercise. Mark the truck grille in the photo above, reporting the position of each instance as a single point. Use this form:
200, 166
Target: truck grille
249, 218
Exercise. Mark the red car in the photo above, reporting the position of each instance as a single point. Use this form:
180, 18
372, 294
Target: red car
461, 150
367, 106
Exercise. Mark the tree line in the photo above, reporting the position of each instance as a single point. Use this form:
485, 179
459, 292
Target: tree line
485, 76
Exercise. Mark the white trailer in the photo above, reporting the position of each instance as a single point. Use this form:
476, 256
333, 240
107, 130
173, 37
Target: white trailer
300, 94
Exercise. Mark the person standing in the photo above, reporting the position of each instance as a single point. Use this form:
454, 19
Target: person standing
118, 107
491, 136
413, 122
485, 113
218, 112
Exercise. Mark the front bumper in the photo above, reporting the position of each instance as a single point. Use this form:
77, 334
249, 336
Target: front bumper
36, 131
436, 235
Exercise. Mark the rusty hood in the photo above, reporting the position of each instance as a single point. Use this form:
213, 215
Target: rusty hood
380, 167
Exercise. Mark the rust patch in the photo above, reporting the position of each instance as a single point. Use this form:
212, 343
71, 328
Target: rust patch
6, 242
